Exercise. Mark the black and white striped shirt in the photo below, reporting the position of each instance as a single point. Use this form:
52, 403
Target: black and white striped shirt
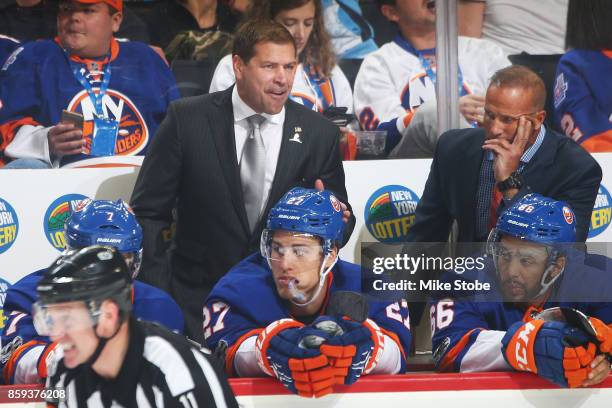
161, 369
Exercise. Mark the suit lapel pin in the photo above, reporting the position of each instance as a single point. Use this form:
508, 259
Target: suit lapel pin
296, 135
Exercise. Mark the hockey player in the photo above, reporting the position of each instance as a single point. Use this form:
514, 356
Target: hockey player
105, 356
395, 89
265, 308
25, 351
531, 270
121, 89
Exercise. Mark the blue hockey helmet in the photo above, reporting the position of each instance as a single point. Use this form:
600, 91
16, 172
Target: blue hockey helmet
308, 211
538, 219
541, 220
109, 223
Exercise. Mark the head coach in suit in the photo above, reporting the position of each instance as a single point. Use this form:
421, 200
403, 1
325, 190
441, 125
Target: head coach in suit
224, 159
477, 173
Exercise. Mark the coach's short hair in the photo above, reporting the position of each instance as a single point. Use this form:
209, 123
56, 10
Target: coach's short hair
254, 32
519, 76
383, 2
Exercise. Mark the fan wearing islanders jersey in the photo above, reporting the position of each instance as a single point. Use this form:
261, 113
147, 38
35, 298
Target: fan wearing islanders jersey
531, 268
25, 353
121, 89
269, 311
395, 89
583, 89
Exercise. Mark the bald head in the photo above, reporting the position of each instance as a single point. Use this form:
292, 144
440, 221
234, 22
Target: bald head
519, 76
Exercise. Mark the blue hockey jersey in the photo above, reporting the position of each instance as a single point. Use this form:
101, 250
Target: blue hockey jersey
149, 303
245, 301
37, 83
583, 98
467, 328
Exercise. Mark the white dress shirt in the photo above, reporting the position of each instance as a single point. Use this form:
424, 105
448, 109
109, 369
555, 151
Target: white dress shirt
271, 132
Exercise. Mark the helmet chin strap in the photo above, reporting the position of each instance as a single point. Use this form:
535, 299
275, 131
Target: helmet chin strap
544, 286
322, 278
102, 341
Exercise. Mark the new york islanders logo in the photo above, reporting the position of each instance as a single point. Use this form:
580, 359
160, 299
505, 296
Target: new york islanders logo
420, 89
602, 212
335, 203
56, 216
133, 131
568, 215
9, 226
389, 213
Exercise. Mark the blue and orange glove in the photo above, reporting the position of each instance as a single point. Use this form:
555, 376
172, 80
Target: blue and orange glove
556, 351
603, 334
281, 354
353, 348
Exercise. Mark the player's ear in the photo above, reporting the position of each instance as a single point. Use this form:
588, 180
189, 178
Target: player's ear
558, 266
332, 257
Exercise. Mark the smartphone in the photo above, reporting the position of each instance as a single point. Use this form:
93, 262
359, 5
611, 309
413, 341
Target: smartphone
72, 117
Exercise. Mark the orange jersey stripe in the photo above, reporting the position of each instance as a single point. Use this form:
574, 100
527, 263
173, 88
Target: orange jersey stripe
447, 362
601, 142
231, 352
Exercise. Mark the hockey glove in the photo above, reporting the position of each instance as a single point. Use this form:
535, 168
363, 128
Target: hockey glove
556, 351
353, 349
281, 353
603, 334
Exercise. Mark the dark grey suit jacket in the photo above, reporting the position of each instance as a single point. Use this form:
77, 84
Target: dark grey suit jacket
560, 169
192, 164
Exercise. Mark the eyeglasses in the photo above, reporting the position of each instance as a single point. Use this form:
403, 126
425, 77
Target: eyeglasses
505, 119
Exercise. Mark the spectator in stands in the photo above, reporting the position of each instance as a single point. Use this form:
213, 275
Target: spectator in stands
29, 20
298, 279
226, 158
196, 24
351, 34
395, 88
49, 76
477, 173
24, 349
319, 83
583, 89
7, 46
531, 266
535, 27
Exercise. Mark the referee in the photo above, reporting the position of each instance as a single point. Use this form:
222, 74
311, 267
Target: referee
107, 357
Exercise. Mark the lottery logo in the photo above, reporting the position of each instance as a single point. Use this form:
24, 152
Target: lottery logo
56, 216
390, 212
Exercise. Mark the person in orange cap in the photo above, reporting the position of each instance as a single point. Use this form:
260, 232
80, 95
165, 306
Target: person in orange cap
116, 93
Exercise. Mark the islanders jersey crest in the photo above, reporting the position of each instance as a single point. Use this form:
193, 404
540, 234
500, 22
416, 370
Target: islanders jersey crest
133, 133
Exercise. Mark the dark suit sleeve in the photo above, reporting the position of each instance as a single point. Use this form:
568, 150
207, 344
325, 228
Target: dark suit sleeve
333, 179
432, 221
581, 191
154, 197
